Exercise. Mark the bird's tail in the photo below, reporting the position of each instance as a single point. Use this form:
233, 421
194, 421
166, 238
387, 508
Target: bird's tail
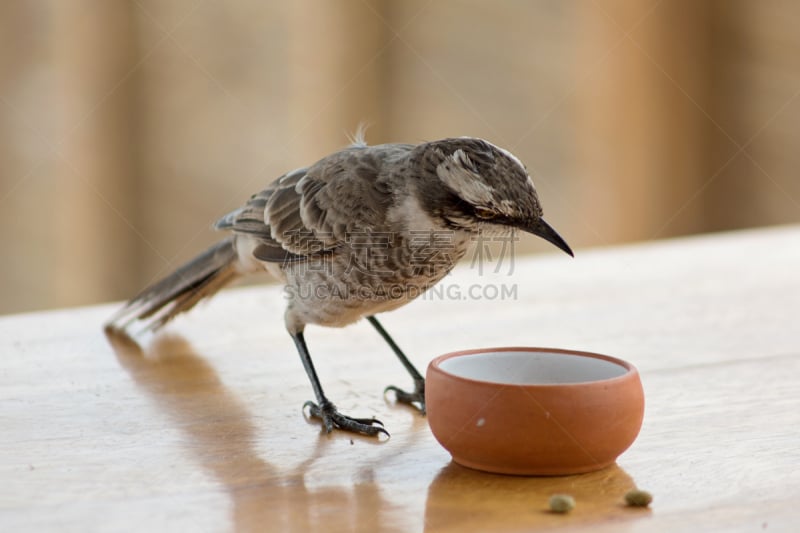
180, 291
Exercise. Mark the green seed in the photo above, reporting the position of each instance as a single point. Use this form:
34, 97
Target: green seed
562, 503
638, 498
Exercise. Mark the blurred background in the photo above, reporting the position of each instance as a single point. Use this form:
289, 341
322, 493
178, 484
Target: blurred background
127, 127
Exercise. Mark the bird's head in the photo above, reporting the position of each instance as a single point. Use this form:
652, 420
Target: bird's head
482, 188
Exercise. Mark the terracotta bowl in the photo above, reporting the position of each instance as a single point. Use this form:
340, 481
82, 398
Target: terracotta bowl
533, 411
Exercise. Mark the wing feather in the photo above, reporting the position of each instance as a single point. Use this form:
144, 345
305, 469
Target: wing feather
311, 211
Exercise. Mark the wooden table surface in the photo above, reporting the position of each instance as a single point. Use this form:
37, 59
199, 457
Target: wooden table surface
202, 428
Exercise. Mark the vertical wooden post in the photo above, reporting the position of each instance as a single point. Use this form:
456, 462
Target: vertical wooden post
641, 142
335, 68
95, 214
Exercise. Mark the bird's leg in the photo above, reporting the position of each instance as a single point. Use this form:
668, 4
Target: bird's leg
324, 408
415, 399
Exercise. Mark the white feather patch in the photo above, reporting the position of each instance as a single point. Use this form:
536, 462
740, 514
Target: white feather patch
359, 138
461, 158
458, 172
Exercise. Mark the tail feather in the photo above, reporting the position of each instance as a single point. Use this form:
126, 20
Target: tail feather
181, 290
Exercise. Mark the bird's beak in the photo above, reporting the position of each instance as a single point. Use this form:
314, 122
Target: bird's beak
546, 232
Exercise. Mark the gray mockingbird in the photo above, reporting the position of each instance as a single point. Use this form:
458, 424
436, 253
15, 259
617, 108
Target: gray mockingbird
362, 231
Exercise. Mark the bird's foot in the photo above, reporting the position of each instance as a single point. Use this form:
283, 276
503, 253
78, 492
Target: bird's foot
332, 418
415, 399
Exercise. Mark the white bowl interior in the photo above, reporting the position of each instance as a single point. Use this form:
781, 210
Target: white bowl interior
531, 368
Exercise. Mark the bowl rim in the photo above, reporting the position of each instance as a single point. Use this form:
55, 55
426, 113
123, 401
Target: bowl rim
631, 370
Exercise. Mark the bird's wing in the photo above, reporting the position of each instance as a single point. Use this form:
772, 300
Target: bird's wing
314, 210
250, 220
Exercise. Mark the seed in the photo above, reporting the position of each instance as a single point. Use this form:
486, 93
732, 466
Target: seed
638, 498
562, 503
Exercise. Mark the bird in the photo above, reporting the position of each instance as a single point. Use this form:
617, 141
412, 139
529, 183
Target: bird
362, 231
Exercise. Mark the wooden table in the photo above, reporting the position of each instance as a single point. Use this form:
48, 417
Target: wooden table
202, 430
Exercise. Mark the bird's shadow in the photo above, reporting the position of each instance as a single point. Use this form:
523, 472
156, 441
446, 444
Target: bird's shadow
221, 437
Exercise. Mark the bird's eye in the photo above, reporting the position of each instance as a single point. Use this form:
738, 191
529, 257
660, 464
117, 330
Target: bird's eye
484, 213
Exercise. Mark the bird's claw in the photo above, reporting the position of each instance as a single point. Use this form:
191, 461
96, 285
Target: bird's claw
333, 419
415, 399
